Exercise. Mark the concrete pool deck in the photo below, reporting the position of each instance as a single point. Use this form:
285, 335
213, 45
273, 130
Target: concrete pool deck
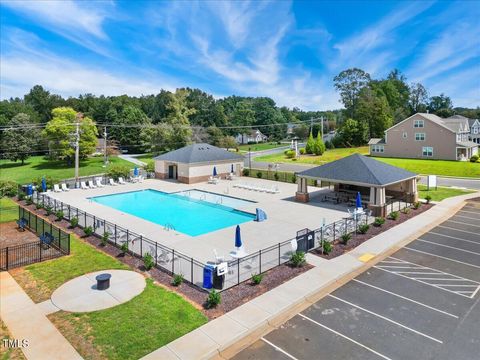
285, 216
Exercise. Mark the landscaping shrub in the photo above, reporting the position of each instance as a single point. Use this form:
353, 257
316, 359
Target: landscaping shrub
59, 214
29, 201
428, 198
148, 261
149, 168
177, 280
285, 152
298, 259
302, 151
214, 298
118, 171
474, 158
74, 222
406, 210
259, 174
48, 210
105, 237
257, 278
327, 247
294, 178
88, 231
346, 238
417, 204
8, 188
276, 176
362, 229
394, 215
379, 221
246, 172
290, 154
21, 196
124, 248
38, 206
38, 182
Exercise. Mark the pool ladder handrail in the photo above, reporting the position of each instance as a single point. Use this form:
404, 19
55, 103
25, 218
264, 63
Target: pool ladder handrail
203, 197
219, 200
169, 226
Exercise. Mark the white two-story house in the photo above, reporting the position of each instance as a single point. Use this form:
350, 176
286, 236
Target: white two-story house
474, 130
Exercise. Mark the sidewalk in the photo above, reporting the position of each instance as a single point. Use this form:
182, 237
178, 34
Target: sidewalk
230, 333
27, 320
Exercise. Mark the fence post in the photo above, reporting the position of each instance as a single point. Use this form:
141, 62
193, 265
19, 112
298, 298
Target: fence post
238, 271
191, 270
85, 217
260, 260
68, 244
94, 223
141, 246
279, 254
346, 226
6, 254
156, 253
334, 232
173, 261
115, 225
69, 217
40, 249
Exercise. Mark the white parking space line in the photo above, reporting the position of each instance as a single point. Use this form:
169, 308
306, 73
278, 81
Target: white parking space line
462, 223
457, 285
464, 231
405, 298
455, 238
278, 348
397, 267
387, 319
467, 217
443, 257
470, 212
447, 246
423, 282
346, 337
416, 272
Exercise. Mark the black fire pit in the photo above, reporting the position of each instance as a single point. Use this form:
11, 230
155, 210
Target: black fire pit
103, 281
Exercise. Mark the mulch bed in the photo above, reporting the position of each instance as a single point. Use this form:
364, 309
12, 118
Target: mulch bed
231, 298
339, 248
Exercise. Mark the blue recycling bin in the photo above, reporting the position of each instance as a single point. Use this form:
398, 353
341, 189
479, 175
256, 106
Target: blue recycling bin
208, 276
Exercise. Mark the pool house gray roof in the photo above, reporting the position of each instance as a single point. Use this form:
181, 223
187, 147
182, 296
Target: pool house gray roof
359, 170
199, 153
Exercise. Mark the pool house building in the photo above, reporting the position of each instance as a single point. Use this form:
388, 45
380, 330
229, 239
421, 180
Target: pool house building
197, 163
378, 183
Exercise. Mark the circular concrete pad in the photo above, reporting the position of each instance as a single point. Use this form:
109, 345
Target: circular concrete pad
81, 294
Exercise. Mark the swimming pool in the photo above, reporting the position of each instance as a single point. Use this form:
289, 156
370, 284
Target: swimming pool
187, 215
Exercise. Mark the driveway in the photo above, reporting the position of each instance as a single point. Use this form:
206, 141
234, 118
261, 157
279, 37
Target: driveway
422, 302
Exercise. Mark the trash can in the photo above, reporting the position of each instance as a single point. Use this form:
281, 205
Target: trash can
208, 271
305, 240
218, 280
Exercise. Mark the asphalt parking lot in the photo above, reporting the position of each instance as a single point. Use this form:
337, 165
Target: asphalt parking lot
423, 302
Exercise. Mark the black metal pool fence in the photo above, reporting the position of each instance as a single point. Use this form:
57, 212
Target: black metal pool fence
176, 263
24, 254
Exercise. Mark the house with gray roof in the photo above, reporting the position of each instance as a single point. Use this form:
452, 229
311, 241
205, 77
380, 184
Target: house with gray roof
195, 163
427, 136
474, 130
377, 181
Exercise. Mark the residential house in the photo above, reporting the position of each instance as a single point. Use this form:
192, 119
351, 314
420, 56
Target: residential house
427, 136
251, 136
474, 130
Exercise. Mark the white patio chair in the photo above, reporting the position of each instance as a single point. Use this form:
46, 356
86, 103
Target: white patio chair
121, 181
65, 187
98, 182
91, 185
83, 185
112, 182
56, 188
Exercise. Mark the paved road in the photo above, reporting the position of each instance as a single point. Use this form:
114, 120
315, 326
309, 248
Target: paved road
465, 183
132, 159
423, 302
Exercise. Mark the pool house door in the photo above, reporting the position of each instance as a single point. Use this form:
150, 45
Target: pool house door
172, 171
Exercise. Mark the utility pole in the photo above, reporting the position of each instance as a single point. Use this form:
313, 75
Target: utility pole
321, 118
311, 124
105, 160
77, 152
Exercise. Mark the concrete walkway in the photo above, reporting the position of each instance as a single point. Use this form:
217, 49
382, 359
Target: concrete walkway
230, 333
27, 320
81, 294
132, 159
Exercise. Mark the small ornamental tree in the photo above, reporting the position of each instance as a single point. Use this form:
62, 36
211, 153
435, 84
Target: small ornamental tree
309, 147
319, 146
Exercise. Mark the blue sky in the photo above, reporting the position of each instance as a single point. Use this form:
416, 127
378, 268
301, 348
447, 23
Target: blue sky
289, 51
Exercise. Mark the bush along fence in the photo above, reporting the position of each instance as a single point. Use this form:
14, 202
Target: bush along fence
194, 271
53, 242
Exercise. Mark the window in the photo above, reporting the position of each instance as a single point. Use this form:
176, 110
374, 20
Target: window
418, 124
404, 135
378, 148
459, 137
427, 151
475, 130
419, 136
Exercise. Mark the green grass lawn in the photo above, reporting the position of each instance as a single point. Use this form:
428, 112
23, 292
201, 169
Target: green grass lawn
146, 158
37, 166
131, 330
8, 210
329, 155
41, 279
419, 166
441, 192
260, 147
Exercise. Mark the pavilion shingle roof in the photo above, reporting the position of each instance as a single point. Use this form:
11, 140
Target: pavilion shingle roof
358, 168
199, 153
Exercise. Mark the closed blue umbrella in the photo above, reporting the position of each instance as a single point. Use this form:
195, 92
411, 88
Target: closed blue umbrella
238, 237
214, 171
29, 190
135, 171
231, 169
44, 184
359, 200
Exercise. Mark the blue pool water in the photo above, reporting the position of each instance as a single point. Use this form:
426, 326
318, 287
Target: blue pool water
189, 216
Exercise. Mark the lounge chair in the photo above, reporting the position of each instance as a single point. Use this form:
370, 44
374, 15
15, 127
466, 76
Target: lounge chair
99, 183
22, 223
65, 187
275, 190
112, 182
121, 181
91, 185
212, 180
83, 185
56, 188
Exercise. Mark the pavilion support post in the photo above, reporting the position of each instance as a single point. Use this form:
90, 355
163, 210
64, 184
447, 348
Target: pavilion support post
377, 201
411, 195
302, 194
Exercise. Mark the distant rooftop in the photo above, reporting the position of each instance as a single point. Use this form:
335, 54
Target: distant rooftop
199, 153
